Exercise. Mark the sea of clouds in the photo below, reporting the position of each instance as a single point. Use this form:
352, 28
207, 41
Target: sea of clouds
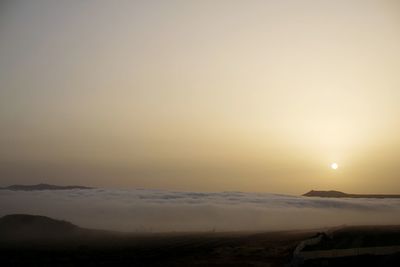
147, 210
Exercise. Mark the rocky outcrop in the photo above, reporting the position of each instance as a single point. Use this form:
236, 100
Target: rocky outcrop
338, 194
42, 187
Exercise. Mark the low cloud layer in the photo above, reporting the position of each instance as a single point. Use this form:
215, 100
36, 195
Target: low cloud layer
157, 210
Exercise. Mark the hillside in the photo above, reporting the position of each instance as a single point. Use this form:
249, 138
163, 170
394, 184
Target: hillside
21, 226
338, 194
42, 187
42, 241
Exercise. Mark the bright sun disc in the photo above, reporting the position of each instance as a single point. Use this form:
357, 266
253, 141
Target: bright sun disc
334, 165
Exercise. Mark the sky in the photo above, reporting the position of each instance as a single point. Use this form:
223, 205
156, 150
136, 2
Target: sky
253, 96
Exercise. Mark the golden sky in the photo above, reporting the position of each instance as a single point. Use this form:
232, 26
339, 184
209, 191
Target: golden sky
201, 95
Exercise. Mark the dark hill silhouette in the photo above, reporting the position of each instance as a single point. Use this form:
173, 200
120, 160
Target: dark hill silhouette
338, 194
29, 240
331, 193
42, 241
42, 187
22, 226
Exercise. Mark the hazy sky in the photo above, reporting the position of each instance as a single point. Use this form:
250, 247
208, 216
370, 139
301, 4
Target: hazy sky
201, 95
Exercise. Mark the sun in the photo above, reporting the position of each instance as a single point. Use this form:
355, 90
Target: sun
334, 166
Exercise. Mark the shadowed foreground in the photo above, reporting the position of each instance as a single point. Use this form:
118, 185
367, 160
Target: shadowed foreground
32, 241
27, 240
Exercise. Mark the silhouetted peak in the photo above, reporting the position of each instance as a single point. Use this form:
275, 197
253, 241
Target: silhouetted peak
331, 193
338, 194
43, 187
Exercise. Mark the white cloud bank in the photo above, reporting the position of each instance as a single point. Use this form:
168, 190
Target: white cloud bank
157, 210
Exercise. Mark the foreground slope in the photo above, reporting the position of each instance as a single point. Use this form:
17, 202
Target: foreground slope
29, 240
82, 247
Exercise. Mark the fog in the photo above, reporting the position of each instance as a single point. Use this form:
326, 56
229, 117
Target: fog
144, 210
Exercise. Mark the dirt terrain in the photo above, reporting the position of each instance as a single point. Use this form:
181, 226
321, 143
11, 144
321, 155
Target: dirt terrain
40, 241
179, 249
27, 240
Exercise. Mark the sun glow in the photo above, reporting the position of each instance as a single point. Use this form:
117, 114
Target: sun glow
334, 166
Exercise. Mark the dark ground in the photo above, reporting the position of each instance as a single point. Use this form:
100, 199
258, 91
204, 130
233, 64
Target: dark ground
364, 261
360, 236
196, 249
27, 240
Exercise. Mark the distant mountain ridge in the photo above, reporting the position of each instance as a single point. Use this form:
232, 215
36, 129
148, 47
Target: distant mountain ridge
338, 194
42, 187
